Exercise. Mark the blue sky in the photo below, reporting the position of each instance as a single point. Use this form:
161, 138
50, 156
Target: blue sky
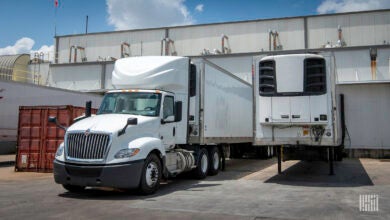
29, 24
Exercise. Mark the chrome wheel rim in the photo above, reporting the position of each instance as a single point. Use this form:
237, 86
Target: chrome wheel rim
204, 163
151, 174
216, 160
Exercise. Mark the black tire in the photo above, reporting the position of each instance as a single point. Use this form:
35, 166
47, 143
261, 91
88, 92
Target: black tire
202, 164
214, 161
151, 175
73, 188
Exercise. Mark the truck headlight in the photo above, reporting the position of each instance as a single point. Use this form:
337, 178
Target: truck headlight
124, 153
60, 150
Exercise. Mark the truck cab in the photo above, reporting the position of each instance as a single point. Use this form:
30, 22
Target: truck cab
165, 116
125, 144
110, 148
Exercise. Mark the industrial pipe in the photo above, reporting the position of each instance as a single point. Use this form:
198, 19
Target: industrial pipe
269, 39
70, 53
340, 41
123, 53
275, 35
162, 46
166, 43
223, 38
167, 46
75, 55
373, 55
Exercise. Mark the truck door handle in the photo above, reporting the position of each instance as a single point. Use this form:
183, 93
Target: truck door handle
174, 131
296, 116
284, 116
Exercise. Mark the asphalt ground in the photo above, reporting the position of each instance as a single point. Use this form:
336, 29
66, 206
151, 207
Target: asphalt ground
248, 189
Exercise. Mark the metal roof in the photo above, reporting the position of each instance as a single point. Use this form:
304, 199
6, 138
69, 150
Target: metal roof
7, 64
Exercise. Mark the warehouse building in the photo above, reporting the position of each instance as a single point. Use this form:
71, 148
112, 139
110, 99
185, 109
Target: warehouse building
85, 61
359, 43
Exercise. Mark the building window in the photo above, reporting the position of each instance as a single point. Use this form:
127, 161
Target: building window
315, 76
267, 81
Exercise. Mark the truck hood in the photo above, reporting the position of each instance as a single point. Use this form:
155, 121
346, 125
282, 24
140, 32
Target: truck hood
110, 123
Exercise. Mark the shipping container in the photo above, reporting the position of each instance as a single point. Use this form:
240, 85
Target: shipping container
38, 139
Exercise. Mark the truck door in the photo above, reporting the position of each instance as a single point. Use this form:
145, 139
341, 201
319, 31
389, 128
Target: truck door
168, 124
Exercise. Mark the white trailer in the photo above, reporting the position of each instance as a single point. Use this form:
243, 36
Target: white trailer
166, 116
296, 107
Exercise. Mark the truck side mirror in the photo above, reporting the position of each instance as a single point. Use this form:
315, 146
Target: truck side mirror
178, 110
130, 121
53, 119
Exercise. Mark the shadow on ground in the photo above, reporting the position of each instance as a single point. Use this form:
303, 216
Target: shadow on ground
348, 173
235, 169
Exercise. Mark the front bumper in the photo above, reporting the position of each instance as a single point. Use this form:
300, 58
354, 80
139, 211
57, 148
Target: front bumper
124, 175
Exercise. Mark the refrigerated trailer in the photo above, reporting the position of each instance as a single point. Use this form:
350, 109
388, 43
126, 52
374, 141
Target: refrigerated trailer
166, 115
296, 108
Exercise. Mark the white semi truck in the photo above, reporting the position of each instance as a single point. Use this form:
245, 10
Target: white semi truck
167, 115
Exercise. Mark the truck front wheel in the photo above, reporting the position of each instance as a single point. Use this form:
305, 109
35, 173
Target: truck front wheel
151, 175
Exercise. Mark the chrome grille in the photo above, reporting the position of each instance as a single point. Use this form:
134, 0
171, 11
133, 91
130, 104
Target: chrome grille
87, 146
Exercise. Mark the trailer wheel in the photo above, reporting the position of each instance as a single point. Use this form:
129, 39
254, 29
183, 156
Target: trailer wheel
214, 161
73, 188
151, 175
202, 164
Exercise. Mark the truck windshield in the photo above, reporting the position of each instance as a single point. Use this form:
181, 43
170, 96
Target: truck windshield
135, 103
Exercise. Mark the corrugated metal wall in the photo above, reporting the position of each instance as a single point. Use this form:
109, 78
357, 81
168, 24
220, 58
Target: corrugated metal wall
355, 65
359, 29
243, 37
77, 77
352, 65
367, 115
101, 46
371, 28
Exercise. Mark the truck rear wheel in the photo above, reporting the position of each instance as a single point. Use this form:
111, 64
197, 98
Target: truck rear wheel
151, 175
73, 188
214, 161
202, 164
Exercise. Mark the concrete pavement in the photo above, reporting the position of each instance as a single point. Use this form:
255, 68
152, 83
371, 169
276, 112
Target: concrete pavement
7, 160
248, 189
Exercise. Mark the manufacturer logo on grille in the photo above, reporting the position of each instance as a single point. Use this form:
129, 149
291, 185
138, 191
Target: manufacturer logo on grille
87, 132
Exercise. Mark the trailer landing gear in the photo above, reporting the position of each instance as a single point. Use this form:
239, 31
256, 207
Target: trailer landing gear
331, 159
279, 152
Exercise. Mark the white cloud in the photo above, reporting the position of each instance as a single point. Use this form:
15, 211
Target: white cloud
125, 14
199, 8
335, 6
23, 45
